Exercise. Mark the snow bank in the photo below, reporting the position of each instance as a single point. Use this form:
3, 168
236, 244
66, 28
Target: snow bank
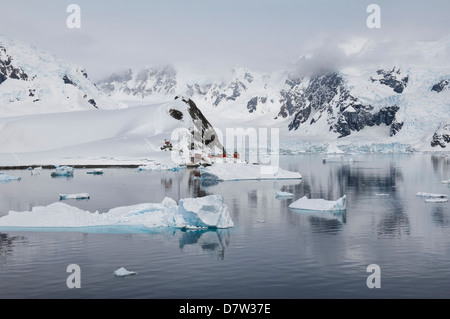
205, 212
320, 204
6, 178
243, 171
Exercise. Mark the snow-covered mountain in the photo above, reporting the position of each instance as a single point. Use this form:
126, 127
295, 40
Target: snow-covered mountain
34, 81
399, 106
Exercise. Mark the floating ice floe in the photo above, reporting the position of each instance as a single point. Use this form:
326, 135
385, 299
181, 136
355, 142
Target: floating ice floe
283, 195
36, 170
74, 196
160, 167
204, 212
430, 195
95, 172
320, 204
122, 272
381, 194
436, 200
62, 171
6, 178
244, 171
446, 181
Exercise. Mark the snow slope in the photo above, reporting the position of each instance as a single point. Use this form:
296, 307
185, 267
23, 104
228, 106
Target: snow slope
102, 137
33, 81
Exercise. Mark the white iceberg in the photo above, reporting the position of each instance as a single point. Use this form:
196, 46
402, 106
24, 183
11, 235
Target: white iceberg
436, 200
74, 196
6, 178
63, 171
244, 171
122, 272
95, 172
283, 195
320, 204
430, 195
205, 212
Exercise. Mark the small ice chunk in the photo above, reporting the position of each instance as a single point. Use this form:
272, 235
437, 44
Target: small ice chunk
320, 204
381, 194
430, 195
436, 200
74, 196
7, 178
36, 170
283, 195
122, 272
62, 171
446, 181
95, 172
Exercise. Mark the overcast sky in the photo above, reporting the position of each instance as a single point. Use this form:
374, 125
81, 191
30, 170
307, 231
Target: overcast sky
214, 35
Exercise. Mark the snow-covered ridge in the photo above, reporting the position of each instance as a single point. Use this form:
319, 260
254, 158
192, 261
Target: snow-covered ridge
34, 81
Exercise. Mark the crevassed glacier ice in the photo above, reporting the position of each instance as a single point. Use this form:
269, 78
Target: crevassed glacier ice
320, 204
204, 212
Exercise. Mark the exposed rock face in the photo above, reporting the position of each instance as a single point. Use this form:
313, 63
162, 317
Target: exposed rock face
441, 137
441, 86
392, 78
8, 70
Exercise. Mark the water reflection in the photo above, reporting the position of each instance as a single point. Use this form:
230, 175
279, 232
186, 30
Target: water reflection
7, 244
440, 216
210, 241
394, 224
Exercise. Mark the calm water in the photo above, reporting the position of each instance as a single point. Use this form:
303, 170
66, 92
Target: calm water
272, 252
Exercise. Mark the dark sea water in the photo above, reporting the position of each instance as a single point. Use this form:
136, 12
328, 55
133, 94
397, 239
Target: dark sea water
272, 252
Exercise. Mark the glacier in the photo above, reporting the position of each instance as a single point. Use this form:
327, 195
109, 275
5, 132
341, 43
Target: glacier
209, 212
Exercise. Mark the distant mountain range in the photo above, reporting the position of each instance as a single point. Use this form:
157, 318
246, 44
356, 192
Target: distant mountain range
382, 108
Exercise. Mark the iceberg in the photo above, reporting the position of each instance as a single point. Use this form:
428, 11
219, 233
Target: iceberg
430, 195
283, 195
244, 171
320, 204
62, 171
74, 196
6, 178
206, 212
446, 181
36, 170
122, 272
95, 172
